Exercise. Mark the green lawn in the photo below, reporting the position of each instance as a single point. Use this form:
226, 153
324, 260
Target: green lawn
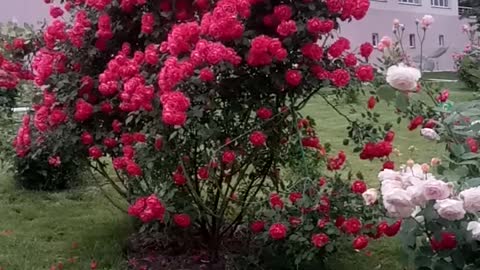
38, 229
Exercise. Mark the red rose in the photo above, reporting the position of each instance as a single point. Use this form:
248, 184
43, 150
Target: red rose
147, 209
393, 229
158, 143
293, 77
313, 51
389, 136
430, 124
372, 101
294, 197
316, 26
339, 221
295, 221
116, 126
359, 187
322, 181
416, 122
365, 73
321, 223
447, 241
366, 50
206, 75
360, 242
282, 12
275, 201
277, 231
202, 173
54, 161
264, 113
228, 157
319, 240
350, 60
257, 226
132, 168
110, 142
86, 138
340, 78
179, 178
83, 111
287, 28
472, 144
388, 165
95, 152
352, 226
182, 220
324, 205
56, 12
258, 139
382, 227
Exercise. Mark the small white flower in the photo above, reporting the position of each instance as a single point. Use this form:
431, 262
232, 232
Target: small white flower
430, 134
474, 226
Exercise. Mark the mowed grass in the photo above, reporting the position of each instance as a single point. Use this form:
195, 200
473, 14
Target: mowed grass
40, 229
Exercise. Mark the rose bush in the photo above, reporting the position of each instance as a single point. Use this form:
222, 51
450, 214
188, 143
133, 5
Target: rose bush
189, 109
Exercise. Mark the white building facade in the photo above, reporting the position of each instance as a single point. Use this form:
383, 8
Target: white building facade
445, 33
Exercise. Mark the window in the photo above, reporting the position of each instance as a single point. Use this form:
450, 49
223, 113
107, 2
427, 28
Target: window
375, 39
414, 2
440, 3
441, 40
411, 40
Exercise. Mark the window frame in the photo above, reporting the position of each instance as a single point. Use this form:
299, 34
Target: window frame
411, 44
440, 3
441, 40
410, 2
375, 39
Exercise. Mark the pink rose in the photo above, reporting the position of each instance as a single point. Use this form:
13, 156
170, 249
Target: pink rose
417, 194
436, 190
386, 41
388, 174
450, 209
370, 196
426, 21
471, 199
398, 203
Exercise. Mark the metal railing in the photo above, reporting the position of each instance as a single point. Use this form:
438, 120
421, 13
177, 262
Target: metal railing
464, 11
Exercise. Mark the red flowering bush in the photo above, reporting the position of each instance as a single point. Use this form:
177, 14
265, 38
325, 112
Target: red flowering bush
195, 103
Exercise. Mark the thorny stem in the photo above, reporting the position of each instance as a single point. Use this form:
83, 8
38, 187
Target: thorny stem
336, 109
105, 193
101, 169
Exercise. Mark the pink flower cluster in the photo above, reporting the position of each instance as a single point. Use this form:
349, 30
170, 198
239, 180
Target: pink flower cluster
81, 24
54, 32
349, 8
48, 114
148, 209
182, 38
175, 105
223, 22
127, 6
264, 50
45, 63
22, 141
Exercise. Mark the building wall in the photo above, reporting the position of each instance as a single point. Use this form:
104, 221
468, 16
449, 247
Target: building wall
23, 11
382, 13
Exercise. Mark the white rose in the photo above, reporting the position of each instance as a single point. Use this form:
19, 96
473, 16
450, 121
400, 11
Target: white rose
398, 211
471, 199
474, 226
416, 192
370, 196
450, 209
398, 198
429, 134
403, 78
437, 190
426, 21
388, 174
389, 185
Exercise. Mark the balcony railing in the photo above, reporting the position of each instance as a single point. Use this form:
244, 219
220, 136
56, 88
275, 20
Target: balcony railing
465, 11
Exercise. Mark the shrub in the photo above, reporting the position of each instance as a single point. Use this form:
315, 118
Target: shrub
196, 103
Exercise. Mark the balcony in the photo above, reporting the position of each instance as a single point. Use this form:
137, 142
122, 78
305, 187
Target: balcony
464, 11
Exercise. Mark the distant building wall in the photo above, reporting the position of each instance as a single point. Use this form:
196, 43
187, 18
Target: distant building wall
379, 20
23, 11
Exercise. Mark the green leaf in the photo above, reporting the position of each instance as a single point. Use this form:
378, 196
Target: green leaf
422, 261
474, 182
402, 102
386, 93
443, 265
